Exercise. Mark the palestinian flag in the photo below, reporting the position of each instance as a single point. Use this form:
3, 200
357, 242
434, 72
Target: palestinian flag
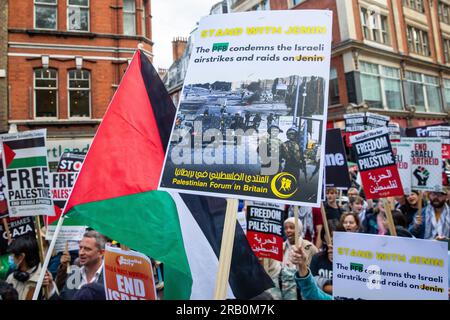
25, 153
115, 193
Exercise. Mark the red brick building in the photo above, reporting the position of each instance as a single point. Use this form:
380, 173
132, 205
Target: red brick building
388, 56
65, 61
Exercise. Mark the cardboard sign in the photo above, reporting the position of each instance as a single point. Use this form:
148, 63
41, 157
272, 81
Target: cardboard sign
426, 163
27, 175
225, 141
394, 132
374, 121
128, 275
265, 229
374, 267
443, 133
71, 162
17, 227
336, 161
376, 163
355, 122
402, 153
3, 201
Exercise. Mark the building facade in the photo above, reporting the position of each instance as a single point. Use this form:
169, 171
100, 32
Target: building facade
65, 61
3, 65
388, 56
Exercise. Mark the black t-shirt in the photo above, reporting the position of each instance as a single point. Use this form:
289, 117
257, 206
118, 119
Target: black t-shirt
332, 213
321, 266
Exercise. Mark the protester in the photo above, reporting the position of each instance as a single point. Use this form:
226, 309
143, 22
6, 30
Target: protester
312, 222
350, 222
303, 277
332, 209
434, 220
7, 291
322, 262
410, 207
375, 218
283, 272
356, 206
91, 252
26, 269
400, 224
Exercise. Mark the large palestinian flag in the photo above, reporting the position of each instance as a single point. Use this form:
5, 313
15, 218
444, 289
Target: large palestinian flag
115, 193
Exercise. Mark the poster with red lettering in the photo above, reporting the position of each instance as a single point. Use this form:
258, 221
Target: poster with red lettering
128, 275
426, 163
402, 153
376, 163
265, 229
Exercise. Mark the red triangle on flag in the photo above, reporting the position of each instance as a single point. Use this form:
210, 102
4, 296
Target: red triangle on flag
8, 155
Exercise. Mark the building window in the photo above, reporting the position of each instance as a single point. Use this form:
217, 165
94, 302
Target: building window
375, 26
45, 14
418, 41
423, 92
444, 12
129, 17
144, 18
415, 5
78, 15
447, 50
447, 92
264, 5
45, 92
79, 89
381, 86
334, 88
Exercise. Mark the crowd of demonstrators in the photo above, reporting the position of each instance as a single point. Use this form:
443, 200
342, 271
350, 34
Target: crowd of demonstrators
313, 274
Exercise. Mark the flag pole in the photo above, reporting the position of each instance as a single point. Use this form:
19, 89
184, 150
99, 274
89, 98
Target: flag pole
226, 250
37, 225
387, 209
296, 225
47, 258
325, 224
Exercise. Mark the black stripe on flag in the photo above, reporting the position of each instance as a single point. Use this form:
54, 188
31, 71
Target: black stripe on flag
247, 277
163, 108
26, 143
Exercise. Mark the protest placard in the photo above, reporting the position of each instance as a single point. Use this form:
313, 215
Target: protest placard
374, 120
374, 267
265, 229
225, 141
3, 202
376, 163
355, 122
442, 132
426, 163
17, 227
26, 169
62, 183
394, 132
128, 275
336, 167
402, 153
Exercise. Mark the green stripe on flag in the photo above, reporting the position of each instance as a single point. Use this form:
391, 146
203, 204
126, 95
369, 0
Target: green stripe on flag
146, 222
28, 162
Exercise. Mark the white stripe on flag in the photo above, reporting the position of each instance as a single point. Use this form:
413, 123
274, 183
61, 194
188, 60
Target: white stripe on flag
202, 260
30, 152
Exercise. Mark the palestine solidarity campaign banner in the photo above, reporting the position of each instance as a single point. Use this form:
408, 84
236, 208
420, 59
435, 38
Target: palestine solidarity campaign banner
248, 70
26, 169
376, 163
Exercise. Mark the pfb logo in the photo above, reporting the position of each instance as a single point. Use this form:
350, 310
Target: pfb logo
356, 267
284, 185
121, 261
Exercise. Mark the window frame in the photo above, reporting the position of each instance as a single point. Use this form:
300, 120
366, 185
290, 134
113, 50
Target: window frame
39, 3
381, 76
88, 7
129, 13
414, 5
35, 116
377, 33
417, 44
424, 85
69, 89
